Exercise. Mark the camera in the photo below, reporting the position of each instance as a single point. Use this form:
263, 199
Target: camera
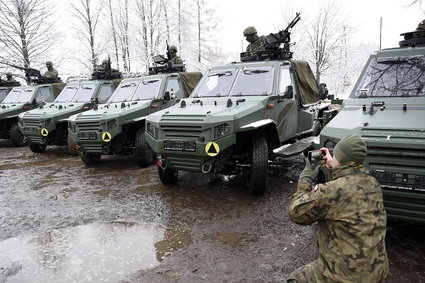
316, 155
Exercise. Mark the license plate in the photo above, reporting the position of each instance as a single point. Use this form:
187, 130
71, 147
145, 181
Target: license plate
179, 145
31, 130
87, 136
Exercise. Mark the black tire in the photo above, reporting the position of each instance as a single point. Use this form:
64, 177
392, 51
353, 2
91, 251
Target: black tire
37, 148
168, 176
15, 135
89, 158
143, 153
71, 146
317, 128
257, 179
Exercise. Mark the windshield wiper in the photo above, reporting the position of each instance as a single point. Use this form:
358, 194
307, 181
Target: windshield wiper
149, 82
129, 85
228, 73
87, 87
255, 72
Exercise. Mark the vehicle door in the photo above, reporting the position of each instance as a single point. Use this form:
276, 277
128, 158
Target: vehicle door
285, 103
172, 91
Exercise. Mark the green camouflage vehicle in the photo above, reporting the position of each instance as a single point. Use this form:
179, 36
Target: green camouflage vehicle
387, 109
21, 99
238, 115
48, 125
6, 87
118, 127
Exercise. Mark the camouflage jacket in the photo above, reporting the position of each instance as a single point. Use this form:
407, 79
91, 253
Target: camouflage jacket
257, 45
352, 225
176, 60
51, 74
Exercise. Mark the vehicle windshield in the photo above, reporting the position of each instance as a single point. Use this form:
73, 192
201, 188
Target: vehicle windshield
394, 77
67, 93
124, 92
254, 81
216, 83
147, 89
84, 93
3, 94
19, 95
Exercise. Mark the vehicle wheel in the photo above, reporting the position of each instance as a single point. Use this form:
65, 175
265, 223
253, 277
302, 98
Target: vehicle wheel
37, 148
257, 179
143, 152
317, 128
90, 159
168, 176
15, 135
71, 146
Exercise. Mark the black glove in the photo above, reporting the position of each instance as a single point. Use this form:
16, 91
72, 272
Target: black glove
308, 174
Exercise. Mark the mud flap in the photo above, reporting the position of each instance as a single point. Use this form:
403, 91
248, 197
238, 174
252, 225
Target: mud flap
296, 148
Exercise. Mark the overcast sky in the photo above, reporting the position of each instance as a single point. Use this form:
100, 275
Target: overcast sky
363, 15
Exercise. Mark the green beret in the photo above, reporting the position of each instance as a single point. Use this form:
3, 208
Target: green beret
351, 148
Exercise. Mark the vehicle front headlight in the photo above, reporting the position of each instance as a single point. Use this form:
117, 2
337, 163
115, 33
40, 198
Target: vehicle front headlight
150, 128
111, 124
71, 126
221, 130
47, 122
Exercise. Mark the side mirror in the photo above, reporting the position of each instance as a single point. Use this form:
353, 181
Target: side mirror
289, 92
167, 96
323, 91
34, 102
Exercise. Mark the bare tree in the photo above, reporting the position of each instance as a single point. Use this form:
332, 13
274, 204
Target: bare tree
26, 32
206, 22
87, 15
325, 38
113, 32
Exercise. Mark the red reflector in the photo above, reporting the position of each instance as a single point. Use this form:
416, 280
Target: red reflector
25, 108
85, 108
159, 162
154, 106
269, 106
77, 147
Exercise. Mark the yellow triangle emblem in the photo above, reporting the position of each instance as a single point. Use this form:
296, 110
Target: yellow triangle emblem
44, 132
212, 149
106, 137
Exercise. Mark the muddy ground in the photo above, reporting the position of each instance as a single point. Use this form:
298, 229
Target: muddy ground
61, 221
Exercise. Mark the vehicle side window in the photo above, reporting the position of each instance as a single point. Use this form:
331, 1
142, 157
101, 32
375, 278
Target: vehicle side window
173, 87
104, 93
285, 79
44, 94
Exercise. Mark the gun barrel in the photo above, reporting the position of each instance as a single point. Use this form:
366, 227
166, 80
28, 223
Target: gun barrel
294, 21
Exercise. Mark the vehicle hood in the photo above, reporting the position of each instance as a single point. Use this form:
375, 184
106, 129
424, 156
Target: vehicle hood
51, 110
10, 109
392, 122
210, 110
116, 110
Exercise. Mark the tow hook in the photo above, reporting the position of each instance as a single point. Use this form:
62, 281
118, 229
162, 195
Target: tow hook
77, 147
161, 162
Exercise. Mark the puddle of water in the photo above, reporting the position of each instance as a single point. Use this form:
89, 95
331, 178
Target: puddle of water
97, 252
174, 239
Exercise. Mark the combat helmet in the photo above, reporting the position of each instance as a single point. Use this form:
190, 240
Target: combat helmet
421, 27
249, 30
9, 74
172, 47
49, 63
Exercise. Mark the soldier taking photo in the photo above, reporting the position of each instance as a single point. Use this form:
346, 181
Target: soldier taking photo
350, 214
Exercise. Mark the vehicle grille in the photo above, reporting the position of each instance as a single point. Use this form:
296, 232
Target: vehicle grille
172, 127
32, 120
396, 158
88, 123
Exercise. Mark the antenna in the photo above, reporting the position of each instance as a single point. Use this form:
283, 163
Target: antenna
380, 33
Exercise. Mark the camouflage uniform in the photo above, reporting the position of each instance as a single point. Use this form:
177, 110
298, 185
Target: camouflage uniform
420, 30
352, 226
255, 41
174, 59
9, 78
51, 72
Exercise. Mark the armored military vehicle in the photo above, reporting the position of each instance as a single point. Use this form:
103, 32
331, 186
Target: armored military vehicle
118, 127
48, 125
387, 109
238, 115
21, 99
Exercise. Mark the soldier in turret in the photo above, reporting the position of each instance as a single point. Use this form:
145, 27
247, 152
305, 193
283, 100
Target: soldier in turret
9, 78
255, 41
351, 218
51, 72
420, 30
174, 59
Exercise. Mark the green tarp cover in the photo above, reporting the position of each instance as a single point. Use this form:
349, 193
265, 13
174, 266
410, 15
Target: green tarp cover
309, 88
57, 88
190, 80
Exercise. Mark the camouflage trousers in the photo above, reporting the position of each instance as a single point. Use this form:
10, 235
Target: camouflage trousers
308, 273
